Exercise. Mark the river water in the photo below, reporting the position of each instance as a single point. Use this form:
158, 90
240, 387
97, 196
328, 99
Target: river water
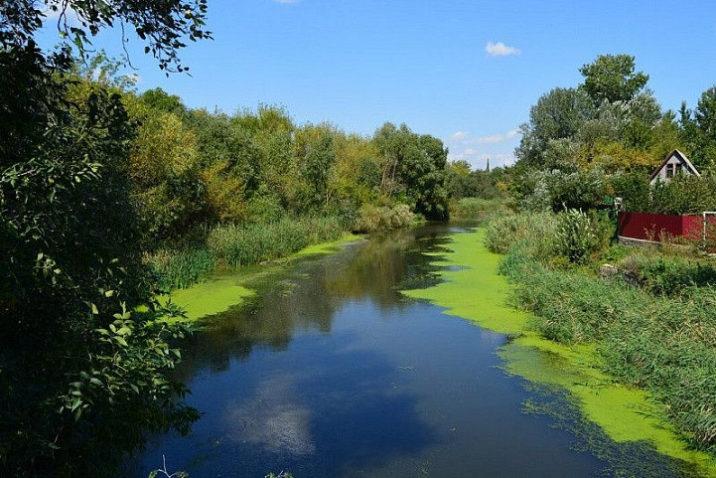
330, 371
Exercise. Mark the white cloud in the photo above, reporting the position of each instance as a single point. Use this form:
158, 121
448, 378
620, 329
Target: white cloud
498, 138
477, 149
272, 419
500, 49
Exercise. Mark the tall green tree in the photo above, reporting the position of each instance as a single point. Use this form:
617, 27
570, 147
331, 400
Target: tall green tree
557, 115
414, 169
698, 130
613, 78
80, 363
316, 157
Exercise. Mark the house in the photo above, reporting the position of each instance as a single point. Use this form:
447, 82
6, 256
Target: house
675, 163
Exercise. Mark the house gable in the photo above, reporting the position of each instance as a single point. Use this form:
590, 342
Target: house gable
675, 163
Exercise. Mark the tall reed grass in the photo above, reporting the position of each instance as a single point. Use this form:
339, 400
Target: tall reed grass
240, 245
177, 269
666, 344
384, 218
478, 209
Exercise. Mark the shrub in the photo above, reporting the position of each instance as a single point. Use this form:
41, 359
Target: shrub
531, 231
265, 207
375, 218
576, 235
577, 190
665, 345
668, 275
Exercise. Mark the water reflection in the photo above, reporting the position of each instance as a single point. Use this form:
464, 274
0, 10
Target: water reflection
272, 419
329, 371
307, 296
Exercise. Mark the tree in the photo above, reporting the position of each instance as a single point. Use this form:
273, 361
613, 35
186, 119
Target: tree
612, 78
164, 168
164, 26
558, 114
78, 362
355, 179
81, 363
414, 169
160, 100
698, 130
316, 157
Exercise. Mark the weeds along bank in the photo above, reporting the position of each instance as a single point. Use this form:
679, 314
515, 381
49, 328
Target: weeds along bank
651, 313
230, 246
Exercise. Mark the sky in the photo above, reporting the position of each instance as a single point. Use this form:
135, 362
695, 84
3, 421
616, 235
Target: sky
466, 71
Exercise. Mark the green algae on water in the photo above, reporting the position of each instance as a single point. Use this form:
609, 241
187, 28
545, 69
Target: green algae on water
225, 291
212, 297
478, 293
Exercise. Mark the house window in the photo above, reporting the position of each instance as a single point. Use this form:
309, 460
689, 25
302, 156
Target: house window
671, 170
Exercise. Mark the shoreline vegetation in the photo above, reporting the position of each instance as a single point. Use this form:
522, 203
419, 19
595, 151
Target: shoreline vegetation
226, 289
624, 373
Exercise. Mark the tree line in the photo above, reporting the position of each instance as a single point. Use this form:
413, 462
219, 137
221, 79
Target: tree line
584, 145
192, 167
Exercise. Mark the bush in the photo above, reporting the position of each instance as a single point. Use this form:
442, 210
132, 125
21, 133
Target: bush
265, 207
577, 190
375, 218
576, 236
533, 231
666, 345
667, 275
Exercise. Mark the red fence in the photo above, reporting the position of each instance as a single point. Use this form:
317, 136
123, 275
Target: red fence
647, 226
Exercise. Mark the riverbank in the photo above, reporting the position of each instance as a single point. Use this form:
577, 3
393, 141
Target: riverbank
473, 289
228, 289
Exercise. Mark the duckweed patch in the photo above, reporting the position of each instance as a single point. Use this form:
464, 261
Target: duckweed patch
225, 291
477, 292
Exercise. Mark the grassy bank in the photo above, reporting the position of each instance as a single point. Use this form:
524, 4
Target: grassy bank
637, 365
228, 247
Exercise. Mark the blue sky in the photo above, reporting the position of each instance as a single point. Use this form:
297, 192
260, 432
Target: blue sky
465, 71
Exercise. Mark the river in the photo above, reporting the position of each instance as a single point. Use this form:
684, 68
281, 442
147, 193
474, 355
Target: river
329, 371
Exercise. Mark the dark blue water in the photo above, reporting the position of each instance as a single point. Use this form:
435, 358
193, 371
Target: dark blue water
331, 372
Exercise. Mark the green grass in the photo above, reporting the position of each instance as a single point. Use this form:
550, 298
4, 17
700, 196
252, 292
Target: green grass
477, 209
635, 365
666, 274
228, 247
182, 268
243, 245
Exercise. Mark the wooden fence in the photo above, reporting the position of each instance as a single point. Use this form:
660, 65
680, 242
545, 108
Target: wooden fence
643, 226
